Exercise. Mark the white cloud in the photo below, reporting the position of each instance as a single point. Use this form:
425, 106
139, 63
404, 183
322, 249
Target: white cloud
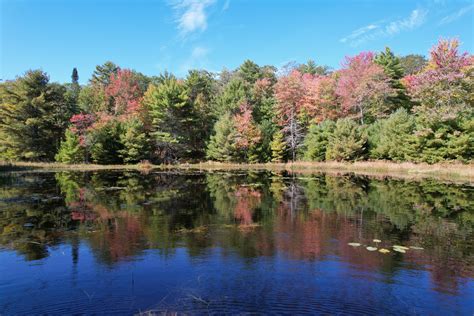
456, 15
192, 15
359, 32
384, 29
199, 52
197, 59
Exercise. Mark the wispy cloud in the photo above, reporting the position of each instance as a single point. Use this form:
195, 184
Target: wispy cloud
359, 33
197, 59
386, 28
192, 15
456, 15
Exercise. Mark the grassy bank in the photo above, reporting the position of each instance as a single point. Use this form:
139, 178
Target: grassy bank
446, 171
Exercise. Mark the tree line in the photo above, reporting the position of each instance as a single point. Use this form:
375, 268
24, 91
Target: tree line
376, 106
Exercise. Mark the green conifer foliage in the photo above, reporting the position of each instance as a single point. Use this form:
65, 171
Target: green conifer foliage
317, 139
71, 150
222, 145
278, 147
347, 142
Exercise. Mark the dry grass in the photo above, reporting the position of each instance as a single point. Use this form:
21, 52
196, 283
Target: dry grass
454, 172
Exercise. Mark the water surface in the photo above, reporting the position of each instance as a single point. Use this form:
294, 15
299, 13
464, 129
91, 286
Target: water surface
233, 242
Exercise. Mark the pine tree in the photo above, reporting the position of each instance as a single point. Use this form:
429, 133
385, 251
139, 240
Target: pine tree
106, 145
394, 70
392, 138
135, 141
278, 147
222, 144
347, 142
102, 73
317, 140
33, 116
75, 76
173, 120
71, 150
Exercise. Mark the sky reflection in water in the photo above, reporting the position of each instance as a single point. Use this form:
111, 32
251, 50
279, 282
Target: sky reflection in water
121, 241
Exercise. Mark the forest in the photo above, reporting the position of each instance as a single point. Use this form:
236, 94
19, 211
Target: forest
377, 105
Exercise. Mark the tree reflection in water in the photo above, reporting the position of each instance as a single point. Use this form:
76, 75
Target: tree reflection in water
119, 215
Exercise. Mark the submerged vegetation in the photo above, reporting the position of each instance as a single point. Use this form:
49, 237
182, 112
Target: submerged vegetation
376, 106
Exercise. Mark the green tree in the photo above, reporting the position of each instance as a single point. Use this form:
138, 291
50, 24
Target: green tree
33, 117
317, 140
234, 93
313, 69
135, 141
71, 150
393, 138
102, 73
278, 147
347, 142
106, 144
412, 64
174, 128
394, 70
222, 146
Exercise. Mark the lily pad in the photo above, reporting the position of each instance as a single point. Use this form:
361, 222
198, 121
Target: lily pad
383, 250
400, 247
377, 240
371, 248
416, 248
354, 244
399, 250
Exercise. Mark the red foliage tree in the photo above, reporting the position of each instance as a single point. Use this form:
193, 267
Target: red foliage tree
444, 88
124, 91
363, 87
289, 92
248, 134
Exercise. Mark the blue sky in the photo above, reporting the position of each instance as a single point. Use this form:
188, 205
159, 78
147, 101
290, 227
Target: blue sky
176, 35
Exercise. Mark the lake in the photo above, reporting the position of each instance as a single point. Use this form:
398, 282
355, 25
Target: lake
234, 242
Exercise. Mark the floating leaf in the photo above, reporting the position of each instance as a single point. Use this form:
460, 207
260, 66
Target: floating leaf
371, 248
354, 244
377, 240
399, 250
383, 250
416, 248
401, 247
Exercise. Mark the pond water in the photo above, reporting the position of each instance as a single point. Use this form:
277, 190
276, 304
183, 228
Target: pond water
233, 242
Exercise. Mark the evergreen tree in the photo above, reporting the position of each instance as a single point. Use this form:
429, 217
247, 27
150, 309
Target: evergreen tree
394, 70
222, 145
134, 141
175, 130
249, 72
106, 144
71, 150
234, 93
33, 116
75, 76
393, 138
347, 142
313, 69
317, 140
102, 73
278, 147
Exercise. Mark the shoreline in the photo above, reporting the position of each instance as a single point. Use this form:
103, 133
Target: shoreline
452, 172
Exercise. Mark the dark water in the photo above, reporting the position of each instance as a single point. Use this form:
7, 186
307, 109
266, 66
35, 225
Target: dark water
233, 242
